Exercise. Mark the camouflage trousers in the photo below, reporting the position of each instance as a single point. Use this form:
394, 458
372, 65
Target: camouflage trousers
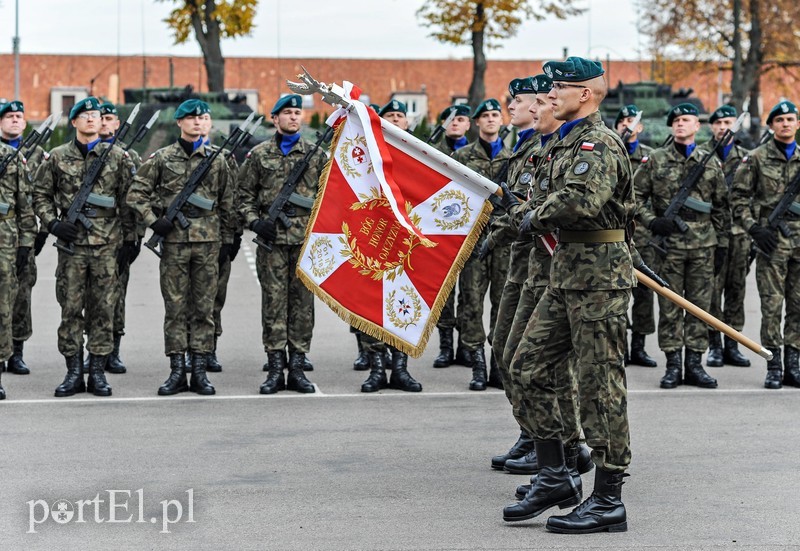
478, 277
8, 291
287, 306
23, 324
731, 282
447, 319
123, 276
576, 339
189, 274
689, 273
643, 319
222, 294
778, 279
86, 289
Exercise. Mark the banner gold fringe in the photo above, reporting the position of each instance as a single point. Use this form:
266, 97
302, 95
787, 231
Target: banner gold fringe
363, 324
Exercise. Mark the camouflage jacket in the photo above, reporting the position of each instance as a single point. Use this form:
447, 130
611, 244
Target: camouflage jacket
589, 189
640, 156
758, 187
263, 175
162, 177
17, 222
729, 168
658, 180
59, 178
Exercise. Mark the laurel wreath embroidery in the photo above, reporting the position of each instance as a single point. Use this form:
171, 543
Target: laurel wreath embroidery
466, 210
326, 263
370, 200
344, 160
392, 313
376, 269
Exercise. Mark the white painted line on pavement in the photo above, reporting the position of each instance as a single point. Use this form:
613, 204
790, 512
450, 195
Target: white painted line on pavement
292, 395
250, 257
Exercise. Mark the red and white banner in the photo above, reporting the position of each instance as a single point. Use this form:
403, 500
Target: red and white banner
392, 225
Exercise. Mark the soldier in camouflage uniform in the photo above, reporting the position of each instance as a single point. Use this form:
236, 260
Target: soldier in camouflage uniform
455, 137
17, 233
190, 257
377, 351
86, 277
731, 279
109, 125
758, 186
692, 258
287, 306
582, 312
643, 320
12, 125
489, 157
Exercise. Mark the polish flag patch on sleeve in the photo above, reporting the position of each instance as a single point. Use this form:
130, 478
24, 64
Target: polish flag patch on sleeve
587, 146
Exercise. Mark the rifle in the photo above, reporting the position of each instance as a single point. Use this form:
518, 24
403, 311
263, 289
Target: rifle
142, 130
275, 212
244, 136
187, 193
504, 131
84, 197
687, 185
668, 141
441, 127
628, 131
45, 135
33, 138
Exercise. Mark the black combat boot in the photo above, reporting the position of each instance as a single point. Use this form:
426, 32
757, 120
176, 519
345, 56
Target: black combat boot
2, 390
361, 363
526, 464
114, 363
714, 358
276, 362
603, 511
307, 365
672, 377
495, 378
791, 369
296, 379
478, 381
523, 445
97, 384
638, 355
73, 382
213, 363
694, 374
462, 356
578, 459
16, 364
176, 382
553, 486
199, 382
774, 370
401, 379
377, 373
731, 354
446, 356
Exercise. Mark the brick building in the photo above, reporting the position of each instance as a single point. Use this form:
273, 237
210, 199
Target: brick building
50, 82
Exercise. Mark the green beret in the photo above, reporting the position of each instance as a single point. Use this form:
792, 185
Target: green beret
89, 104
295, 101
192, 107
542, 84
12, 107
574, 69
783, 108
723, 112
490, 104
108, 108
393, 106
629, 110
682, 109
462, 110
521, 86
375, 107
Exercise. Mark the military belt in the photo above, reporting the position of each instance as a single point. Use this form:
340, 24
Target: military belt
689, 215
96, 212
7, 214
595, 236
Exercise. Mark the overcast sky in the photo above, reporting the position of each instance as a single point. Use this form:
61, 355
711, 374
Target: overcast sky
307, 28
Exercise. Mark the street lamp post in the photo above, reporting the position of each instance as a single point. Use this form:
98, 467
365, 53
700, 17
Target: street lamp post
15, 47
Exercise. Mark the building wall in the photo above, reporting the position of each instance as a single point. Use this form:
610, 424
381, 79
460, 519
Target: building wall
442, 79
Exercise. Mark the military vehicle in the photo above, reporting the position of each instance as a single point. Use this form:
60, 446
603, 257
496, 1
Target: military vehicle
654, 100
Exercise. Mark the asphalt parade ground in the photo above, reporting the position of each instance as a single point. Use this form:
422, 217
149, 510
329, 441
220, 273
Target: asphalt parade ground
341, 470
